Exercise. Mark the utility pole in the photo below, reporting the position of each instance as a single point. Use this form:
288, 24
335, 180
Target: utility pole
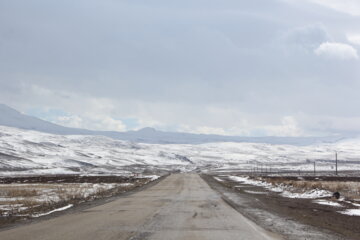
336, 163
314, 168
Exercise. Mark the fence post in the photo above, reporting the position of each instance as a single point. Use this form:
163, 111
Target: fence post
336, 163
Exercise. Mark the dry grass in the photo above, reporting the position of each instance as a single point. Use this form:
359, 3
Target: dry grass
29, 199
350, 190
24, 200
20, 192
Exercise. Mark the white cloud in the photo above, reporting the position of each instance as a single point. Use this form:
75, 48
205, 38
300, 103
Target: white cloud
108, 123
70, 121
77, 111
288, 127
351, 7
354, 38
203, 130
101, 123
337, 51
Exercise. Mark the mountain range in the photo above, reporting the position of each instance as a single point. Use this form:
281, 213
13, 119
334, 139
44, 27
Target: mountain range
12, 118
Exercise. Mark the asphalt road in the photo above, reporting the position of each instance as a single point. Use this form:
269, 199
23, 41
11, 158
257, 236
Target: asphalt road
182, 206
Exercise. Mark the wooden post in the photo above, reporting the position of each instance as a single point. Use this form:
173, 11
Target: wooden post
336, 164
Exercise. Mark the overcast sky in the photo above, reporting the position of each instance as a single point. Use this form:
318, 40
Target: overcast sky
235, 67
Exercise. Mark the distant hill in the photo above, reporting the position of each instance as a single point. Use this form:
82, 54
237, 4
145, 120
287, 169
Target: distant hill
12, 118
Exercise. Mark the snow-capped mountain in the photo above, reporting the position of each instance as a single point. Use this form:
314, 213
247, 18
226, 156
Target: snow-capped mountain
12, 118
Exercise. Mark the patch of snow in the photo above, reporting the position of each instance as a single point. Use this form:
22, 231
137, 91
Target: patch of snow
277, 188
351, 212
8, 207
283, 189
10, 199
312, 194
247, 180
218, 179
55, 210
152, 177
242, 186
255, 192
328, 203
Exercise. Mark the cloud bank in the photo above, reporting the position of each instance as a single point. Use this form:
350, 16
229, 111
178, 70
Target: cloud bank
337, 50
252, 68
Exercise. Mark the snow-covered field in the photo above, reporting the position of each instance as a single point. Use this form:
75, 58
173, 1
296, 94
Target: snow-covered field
32, 199
24, 152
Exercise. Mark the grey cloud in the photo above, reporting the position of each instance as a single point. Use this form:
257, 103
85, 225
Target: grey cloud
256, 57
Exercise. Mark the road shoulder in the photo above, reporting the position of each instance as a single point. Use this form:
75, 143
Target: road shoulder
257, 210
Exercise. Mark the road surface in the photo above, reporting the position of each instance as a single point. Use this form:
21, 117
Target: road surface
181, 207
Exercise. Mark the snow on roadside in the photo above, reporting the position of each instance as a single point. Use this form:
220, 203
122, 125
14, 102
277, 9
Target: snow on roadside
152, 177
328, 203
312, 194
269, 186
351, 212
55, 210
35, 194
246, 180
218, 179
284, 190
9, 207
356, 204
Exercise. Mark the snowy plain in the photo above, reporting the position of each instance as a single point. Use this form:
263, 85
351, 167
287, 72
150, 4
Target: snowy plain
26, 152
